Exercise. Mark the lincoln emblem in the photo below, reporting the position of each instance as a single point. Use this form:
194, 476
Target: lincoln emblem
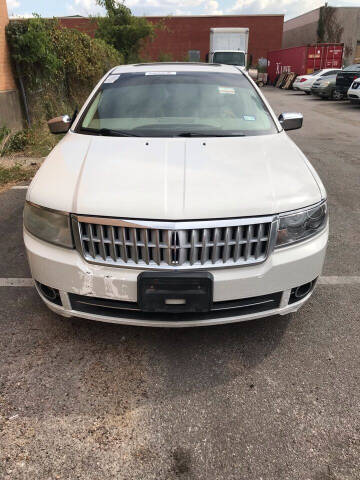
175, 247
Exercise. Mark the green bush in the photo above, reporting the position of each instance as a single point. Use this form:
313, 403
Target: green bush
16, 142
4, 132
121, 29
165, 57
58, 66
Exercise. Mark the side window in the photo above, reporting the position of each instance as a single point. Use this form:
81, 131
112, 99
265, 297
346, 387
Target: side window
327, 74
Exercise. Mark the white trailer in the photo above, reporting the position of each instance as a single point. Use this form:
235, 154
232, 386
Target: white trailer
229, 46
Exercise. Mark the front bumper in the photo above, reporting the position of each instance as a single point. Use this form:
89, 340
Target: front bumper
68, 272
354, 94
303, 88
322, 92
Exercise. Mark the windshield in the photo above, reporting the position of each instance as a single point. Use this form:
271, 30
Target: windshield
177, 104
352, 68
230, 58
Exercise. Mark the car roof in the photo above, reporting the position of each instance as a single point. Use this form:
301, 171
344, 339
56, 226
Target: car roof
176, 67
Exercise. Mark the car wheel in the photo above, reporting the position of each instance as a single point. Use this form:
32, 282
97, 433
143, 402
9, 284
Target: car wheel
308, 93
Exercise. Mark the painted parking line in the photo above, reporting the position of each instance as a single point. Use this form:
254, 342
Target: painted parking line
16, 282
20, 187
332, 280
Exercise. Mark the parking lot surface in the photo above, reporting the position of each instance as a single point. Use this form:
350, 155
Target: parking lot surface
272, 399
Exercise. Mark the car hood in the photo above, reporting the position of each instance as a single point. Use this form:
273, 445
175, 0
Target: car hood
176, 178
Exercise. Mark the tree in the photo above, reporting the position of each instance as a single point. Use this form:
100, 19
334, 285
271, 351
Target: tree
329, 29
121, 29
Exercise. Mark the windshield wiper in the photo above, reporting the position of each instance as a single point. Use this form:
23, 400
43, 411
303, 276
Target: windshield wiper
108, 132
199, 134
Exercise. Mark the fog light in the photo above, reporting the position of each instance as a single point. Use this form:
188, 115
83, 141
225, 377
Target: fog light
51, 294
300, 292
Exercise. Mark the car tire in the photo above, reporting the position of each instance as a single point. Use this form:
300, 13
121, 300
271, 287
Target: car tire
308, 93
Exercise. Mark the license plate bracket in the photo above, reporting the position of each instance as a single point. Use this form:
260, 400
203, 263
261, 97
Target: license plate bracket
175, 292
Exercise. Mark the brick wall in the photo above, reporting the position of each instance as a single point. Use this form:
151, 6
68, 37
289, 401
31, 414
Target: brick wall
6, 77
193, 33
83, 24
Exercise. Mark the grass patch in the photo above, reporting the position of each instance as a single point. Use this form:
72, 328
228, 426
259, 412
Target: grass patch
15, 174
34, 142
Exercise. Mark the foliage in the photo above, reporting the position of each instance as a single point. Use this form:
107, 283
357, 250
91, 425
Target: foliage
16, 142
4, 136
15, 174
58, 66
329, 29
4, 132
165, 57
31, 45
122, 30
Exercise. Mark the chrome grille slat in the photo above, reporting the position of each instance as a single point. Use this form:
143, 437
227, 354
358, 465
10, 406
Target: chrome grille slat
123, 244
157, 246
193, 247
145, 248
248, 242
178, 245
258, 241
112, 244
133, 246
91, 240
102, 242
237, 249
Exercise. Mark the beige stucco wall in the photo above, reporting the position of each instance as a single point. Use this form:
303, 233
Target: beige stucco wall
302, 30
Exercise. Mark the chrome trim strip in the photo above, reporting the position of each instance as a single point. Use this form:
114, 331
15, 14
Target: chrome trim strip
241, 306
178, 225
219, 309
303, 209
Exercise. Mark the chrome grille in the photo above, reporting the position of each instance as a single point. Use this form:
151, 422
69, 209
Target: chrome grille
147, 244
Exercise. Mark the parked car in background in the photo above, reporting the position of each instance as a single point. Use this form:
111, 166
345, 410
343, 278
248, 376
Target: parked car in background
305, 82
324, 87
183, 202
345, 78
354, 91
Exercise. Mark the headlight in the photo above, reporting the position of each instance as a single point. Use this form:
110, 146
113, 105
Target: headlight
49, 225
301, 225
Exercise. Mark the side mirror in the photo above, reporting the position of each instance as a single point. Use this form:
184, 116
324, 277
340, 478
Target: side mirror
291, 121
59, 125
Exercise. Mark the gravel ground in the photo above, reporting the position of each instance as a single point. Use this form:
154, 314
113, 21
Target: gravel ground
8, 162
273, 399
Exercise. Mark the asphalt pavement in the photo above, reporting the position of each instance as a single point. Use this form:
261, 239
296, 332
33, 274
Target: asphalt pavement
272, 399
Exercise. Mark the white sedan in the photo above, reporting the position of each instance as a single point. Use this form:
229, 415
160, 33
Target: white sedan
305, 82
176, 199
354, 91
